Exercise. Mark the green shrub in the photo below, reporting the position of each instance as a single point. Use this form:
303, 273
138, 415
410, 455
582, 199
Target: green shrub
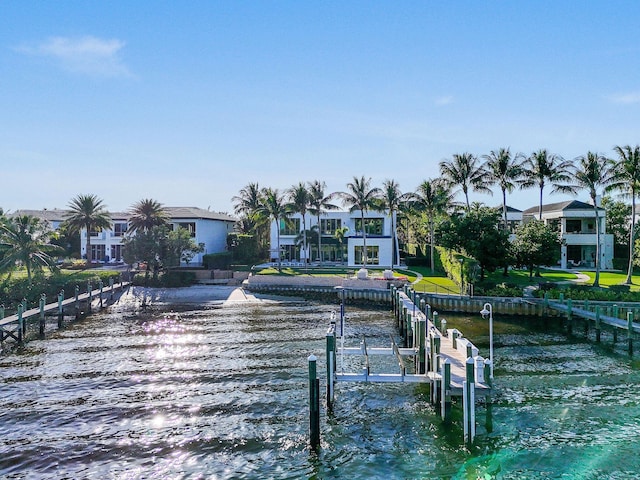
417, 261
220, 261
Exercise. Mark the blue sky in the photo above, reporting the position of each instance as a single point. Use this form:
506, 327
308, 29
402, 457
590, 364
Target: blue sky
187, 102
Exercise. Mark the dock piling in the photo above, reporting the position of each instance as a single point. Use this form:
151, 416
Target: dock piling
314, 404
60, 308
630, 331
43, 301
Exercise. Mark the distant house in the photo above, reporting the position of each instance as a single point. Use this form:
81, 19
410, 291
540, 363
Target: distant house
575, 223
207, 228
350, 252
53, 217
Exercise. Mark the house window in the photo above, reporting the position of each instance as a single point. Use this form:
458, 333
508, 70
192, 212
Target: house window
574, 226
98, 252
289, 226
328, 226
116, 252
119, 229
373, 257
374, 225
190, 226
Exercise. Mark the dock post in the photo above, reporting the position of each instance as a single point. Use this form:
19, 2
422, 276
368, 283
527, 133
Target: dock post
443, 324
468, 402
60, 308
111, 288
561, 297
569, 315
100, 285
77, 303
445, 397
434, 316
20, 324
630, 331
435, 357
90, 299
331, 364
314, 403
616, 311
422, 346
407, 330
24, 309
489, 381
43, 301
598, 323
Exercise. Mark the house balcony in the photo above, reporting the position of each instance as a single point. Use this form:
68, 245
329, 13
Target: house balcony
585, 238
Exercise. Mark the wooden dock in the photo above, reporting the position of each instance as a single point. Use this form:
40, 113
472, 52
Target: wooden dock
430, 353
15, 326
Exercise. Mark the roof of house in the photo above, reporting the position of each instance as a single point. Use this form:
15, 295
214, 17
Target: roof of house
58, 215
197, 213
511, 209
54, 215
561, 206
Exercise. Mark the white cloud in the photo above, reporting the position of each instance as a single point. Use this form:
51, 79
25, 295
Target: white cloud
86, 55
444, 100
626, 98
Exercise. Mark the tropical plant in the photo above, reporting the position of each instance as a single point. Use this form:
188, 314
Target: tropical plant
299, 200
340, 234
89, 213
627, 180
360, 196
24, 240
535, 244
247, 207
273, 206
146, 214
393, 200
504, 171
463, 171
541, 167
318, 205
592, 172
432, 199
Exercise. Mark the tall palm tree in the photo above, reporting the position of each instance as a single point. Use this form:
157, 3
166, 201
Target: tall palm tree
504, 170
247, 205
299, 200
463, 171
146, 214
433, 198
25, 240
541, 167
627, 180
273, 206
392, 200
87, 212
318, 205
340, 234
360, 196
592, 172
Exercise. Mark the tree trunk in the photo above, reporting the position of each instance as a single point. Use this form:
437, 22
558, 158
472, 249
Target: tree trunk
505, 273
278, 243
364, 240
631, 238
88, 245
304, 241
540, 207
319, 240
596, 281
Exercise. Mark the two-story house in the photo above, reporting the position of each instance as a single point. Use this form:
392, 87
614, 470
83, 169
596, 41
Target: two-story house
575, 223
340, 249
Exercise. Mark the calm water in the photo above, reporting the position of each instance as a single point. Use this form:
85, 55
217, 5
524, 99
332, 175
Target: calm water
221, 392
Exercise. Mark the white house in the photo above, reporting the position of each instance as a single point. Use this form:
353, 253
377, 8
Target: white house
575, 222
350, 251
207, 228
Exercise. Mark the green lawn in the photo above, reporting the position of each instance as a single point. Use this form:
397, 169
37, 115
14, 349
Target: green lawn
608, 279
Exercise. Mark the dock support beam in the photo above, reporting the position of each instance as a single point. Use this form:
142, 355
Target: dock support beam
314, 404
21, 324
43, 301
630, 331
331, 365
445, 396
60, 308
468, 402
598, 327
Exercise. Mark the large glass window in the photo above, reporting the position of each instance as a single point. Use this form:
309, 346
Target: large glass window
116, 252
119, 229
373, 257
98, 252
374, 225
328, 226
574, 226
290, 226
190, 226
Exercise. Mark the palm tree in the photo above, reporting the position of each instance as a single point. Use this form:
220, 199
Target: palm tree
542, 166
392, 199
433, 198
505, 170
363, 198
340, 234
273, 206
87, 212
25, 240
463, 171
247, 205
299, 200
627, 180
318, 205
592, 172
146, 214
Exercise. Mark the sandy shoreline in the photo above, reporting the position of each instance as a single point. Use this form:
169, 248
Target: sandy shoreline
203, 294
